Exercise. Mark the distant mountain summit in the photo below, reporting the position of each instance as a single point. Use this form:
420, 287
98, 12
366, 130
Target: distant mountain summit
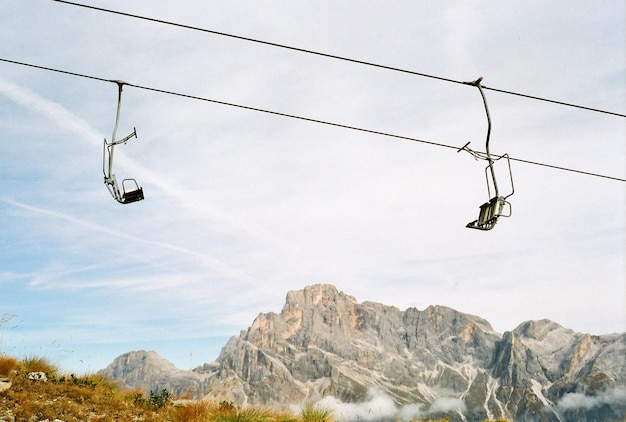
324, 346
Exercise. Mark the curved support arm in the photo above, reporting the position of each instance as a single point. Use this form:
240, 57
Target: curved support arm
476, 83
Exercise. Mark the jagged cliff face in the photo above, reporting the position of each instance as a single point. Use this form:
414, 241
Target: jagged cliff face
325, 343
547, 372
437, 362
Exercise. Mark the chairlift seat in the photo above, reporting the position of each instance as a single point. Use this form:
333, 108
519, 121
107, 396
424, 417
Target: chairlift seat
489, 213
132, 195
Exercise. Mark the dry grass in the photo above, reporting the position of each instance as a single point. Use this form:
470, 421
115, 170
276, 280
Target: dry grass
7, 364
38, 364
312, 413
194, 411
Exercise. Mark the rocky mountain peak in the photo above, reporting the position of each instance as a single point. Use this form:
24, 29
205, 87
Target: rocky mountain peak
538, 330
150, 371
435, 363
318, 295
319, 315
139, 363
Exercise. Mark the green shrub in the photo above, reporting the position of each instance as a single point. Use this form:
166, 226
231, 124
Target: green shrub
159, 400
154, 400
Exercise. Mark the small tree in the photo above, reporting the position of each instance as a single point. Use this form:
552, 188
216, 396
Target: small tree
159, 400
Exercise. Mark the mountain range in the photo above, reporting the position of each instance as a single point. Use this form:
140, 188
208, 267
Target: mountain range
376, 362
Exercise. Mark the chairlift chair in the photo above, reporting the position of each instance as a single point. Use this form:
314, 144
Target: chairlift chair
496, 206
124, 195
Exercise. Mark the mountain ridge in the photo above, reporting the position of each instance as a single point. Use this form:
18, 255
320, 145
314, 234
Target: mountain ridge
324, 346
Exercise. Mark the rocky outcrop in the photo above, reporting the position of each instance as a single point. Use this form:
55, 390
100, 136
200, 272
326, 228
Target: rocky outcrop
150, 372
5, 384
438, 362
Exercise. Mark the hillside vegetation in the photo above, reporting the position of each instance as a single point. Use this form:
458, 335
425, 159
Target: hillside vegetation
70, 398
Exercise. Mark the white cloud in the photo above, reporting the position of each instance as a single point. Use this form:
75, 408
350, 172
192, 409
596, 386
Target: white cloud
447, 404
379, 406
410, 412
376, 408
575, 401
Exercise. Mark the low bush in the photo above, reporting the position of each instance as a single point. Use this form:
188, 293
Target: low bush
154, 400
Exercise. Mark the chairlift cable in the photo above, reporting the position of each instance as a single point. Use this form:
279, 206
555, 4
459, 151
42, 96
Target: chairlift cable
331, 56
308, 119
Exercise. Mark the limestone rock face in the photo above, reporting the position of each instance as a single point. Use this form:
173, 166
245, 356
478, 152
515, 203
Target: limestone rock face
545, 369
438, 362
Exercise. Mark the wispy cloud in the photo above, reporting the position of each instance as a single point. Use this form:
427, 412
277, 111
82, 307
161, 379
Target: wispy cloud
211, 262
60, 115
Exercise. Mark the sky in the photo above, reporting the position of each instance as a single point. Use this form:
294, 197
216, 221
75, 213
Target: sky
243, 206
